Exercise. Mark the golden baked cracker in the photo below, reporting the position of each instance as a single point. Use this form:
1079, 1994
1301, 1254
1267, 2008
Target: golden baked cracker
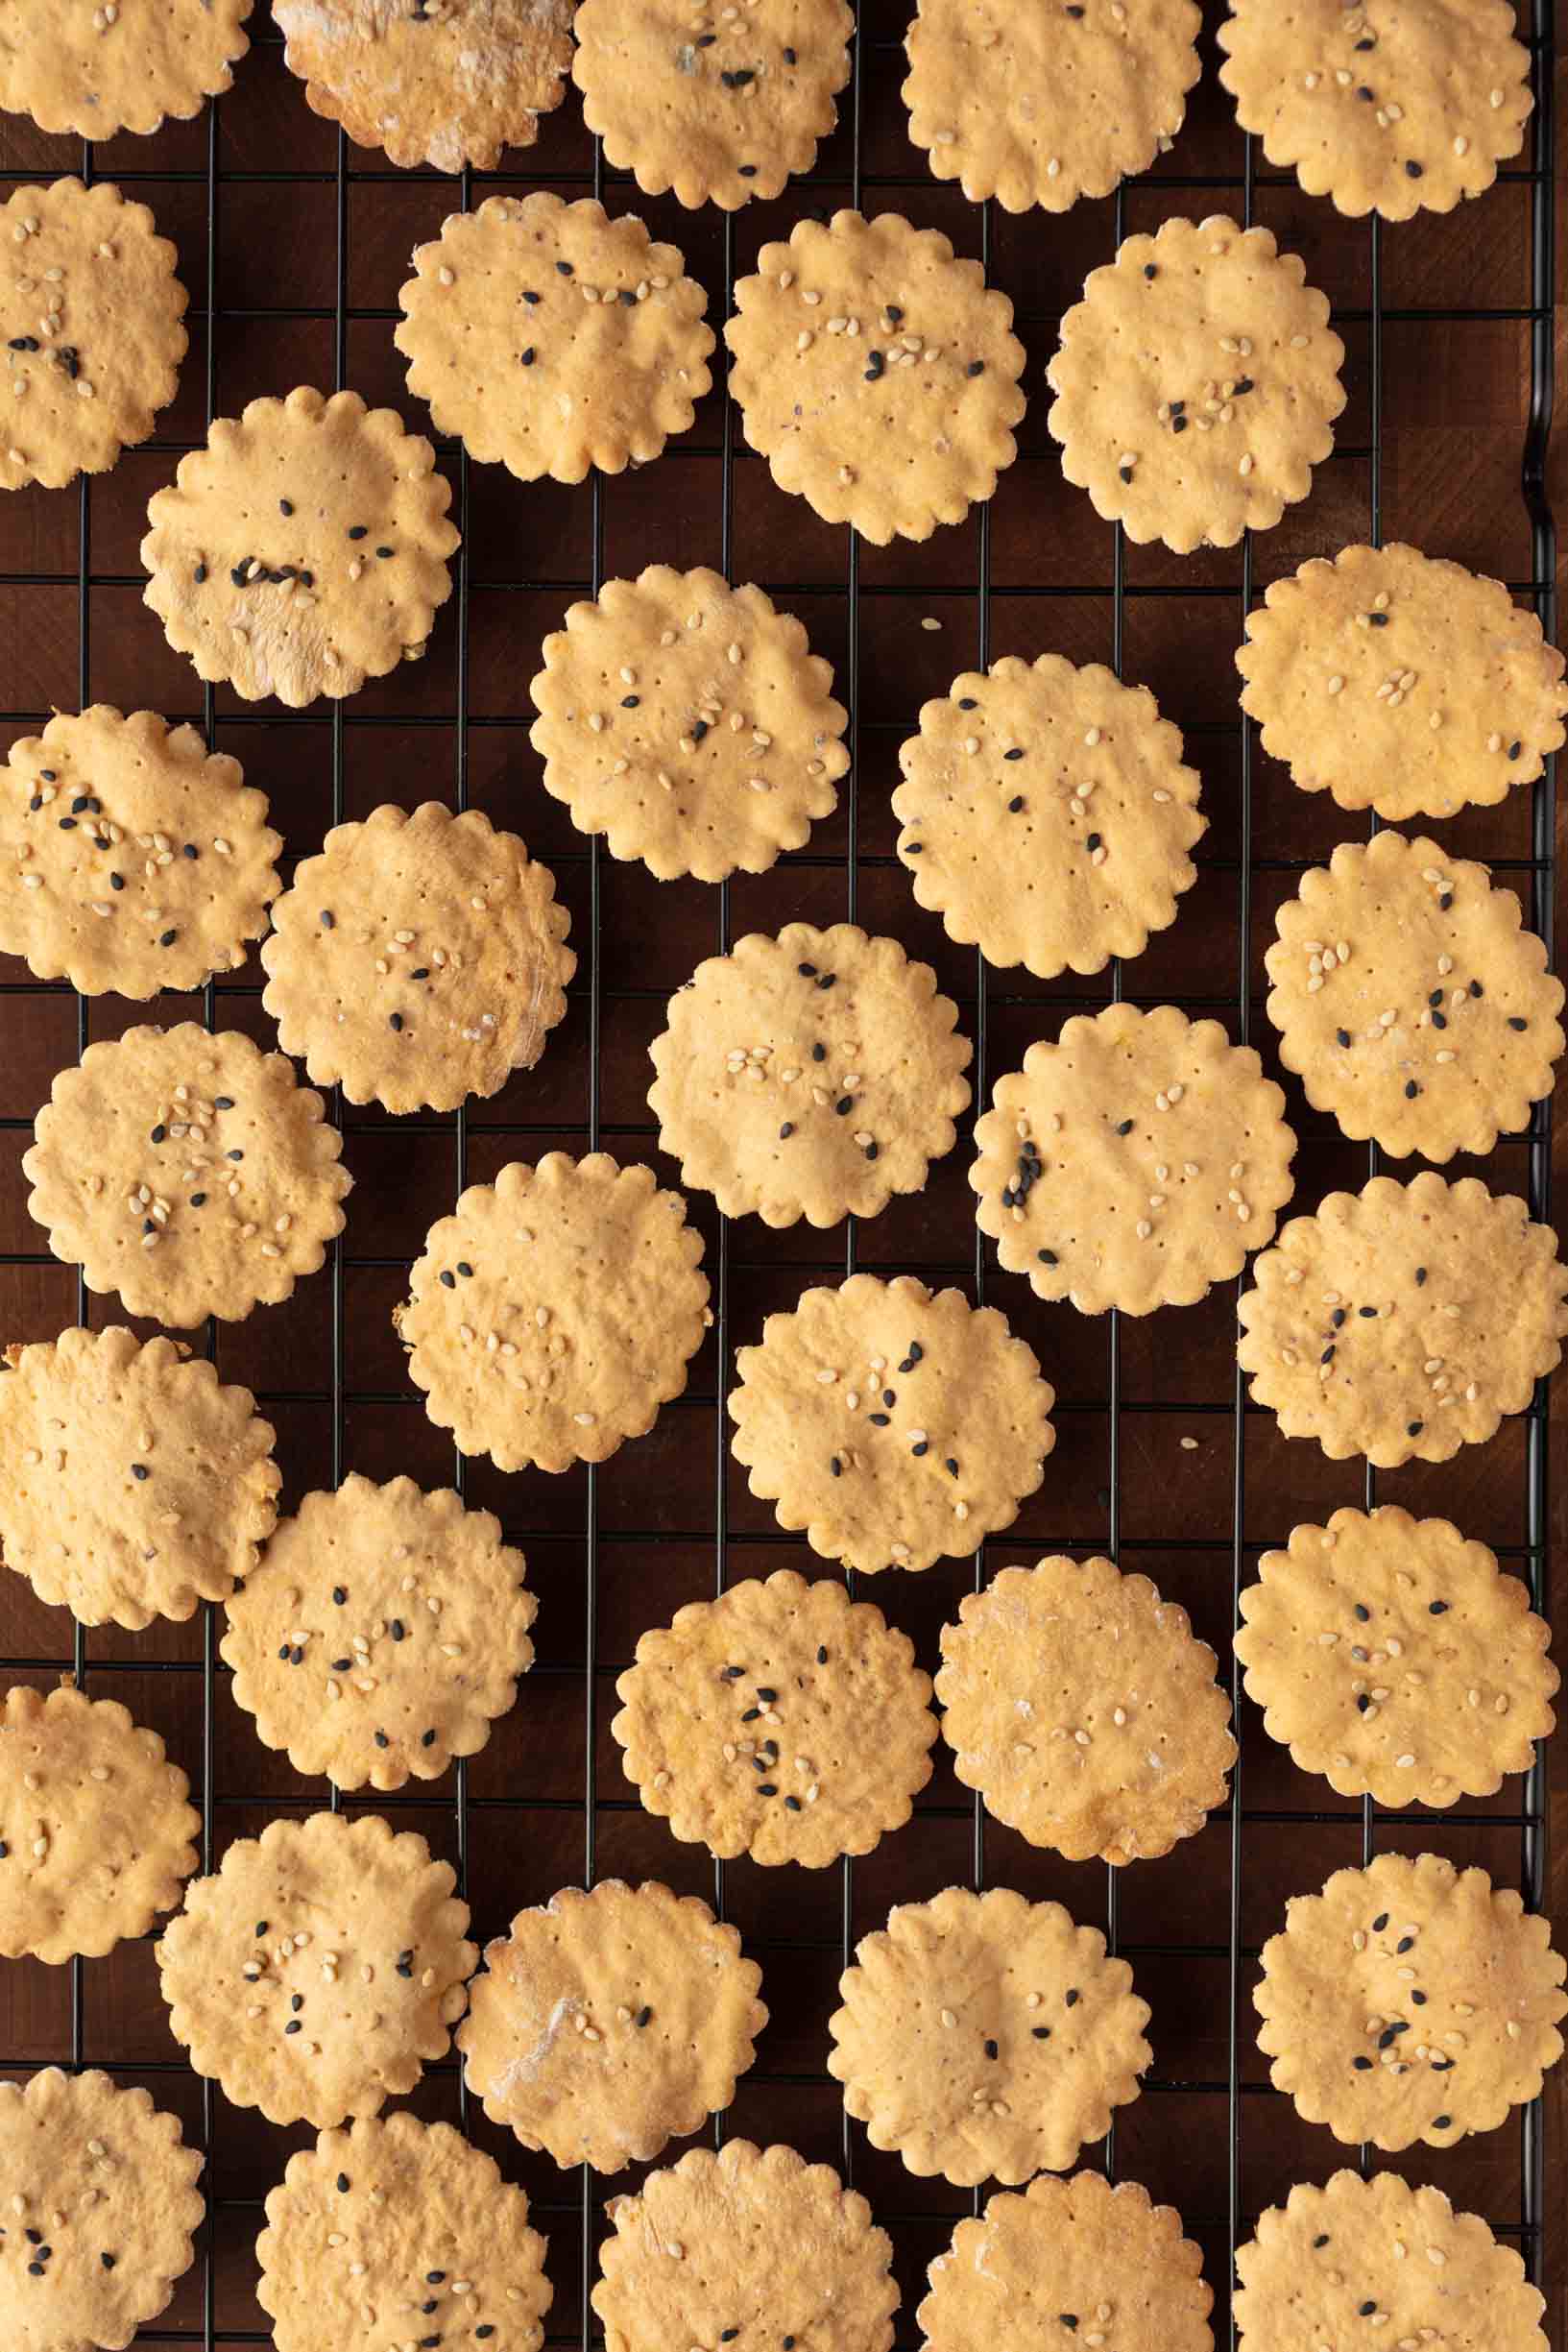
132, 1485
419, 958
1047, 815
875, 372
554, 1312
897, 1426
1085, 1710
1405, 1321
1400, 682
315, 1972
382, 1635
608, 2023
304, 549
1197, 385
984, 2037
782, 1720
688, 722
77, 68
811, 1075
188, 1171
1133, 1163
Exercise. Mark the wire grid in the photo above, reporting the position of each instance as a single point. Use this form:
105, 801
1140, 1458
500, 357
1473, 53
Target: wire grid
883, 59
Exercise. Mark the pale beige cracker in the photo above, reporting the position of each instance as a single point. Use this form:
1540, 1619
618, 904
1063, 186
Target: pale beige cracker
984, 2037
383, 1634
782, 1720
554, 1312
132, 1485
395, 2224
447, 83
1197, 385
1047, 814
1085, 1710
1134, 1162
304, 549
1389, 110
74, 69
718, 102
1400, 682
689, 722
419, 958
812, 1075
319, 1968
1042, 104
102, 2211
896, 1425
877, 374
1405, 1321
608, 2023
187, 1171
751, 2239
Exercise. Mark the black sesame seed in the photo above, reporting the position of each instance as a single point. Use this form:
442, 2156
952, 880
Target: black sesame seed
1413, 1429
1321, 2240
1047, 1257
786, 1130
116, 882
1125, 473
766, 1696
991, 2050
825, 979
1515, 1022
427, 1739
1015, 804
835, 1467
1380, 1923
293, 2025
382, 1741
140, 1470
383, 553
1443, 2122
198, 1200
465, 1269
1420, 1276
1363, 93
1436, 1609
1072, 1997
526, 358
767, 1789
1514, 749
1178, 424
1338, 1317
1364, 1614
67, 824
1041, 2034
789, 59
844, 1105
108, 2261
395, 1020
360, 530
339, 1594
975, 366
967, 702
449, 1279
1411, 1090
1126, 1127
872, 1150
565, 269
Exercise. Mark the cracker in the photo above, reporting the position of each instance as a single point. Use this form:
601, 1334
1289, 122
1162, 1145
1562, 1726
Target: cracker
1392, 1656
1046, 813
188, 1171
875, 372
1383, 111
1207, 326
113, 829
811, 1075
382, 1635
319, 1968
782, 1720
606, 2023
719, 107
75, 70
982, 2037
688, 722
448, 82
1400, 682
1085, 1710
555, 1311
1134, 1163
418, 960
1405, 1321
132, 1485
304, 549
896, 1425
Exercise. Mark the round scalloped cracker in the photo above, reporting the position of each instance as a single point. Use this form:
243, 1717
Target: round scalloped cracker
982, 2036
368, 2211
187, 1171
132, 1485
1401, 682
1405, 1321
382, 1635
688, 722
1392, 1656
1196, 383
1409, 2002
1047, 815
319, 1968
75, 70
103, 2189
554, 1312
811, 1075
448, 82
419, 958
897, 1425
606, 2023
304, 549
875, 372
1389, 110
1134, 1163
751, 2239
1085, 1710
782, 1720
